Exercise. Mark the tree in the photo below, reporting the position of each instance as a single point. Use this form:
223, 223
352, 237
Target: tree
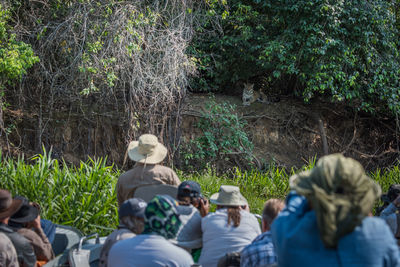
15, 58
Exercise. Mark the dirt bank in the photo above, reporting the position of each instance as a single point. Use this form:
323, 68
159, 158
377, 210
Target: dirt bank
287, 133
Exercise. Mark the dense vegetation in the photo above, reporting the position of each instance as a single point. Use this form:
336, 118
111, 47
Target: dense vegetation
347, 50
132, 62
84, 196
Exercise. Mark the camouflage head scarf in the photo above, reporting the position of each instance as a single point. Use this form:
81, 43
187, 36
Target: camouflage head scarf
339, 192
161, 217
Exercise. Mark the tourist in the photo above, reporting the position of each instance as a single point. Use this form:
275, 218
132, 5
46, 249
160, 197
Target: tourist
26, 221
8, 255
261, 251
147, 152
8, 206
390, 211
131, 218
152, 248
229, 229
327, 222
192, 207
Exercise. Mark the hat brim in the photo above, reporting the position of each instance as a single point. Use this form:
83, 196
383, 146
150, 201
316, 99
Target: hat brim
14, 207
32, 213
215, 200
159, 154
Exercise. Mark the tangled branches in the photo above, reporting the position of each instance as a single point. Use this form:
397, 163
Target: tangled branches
101, 57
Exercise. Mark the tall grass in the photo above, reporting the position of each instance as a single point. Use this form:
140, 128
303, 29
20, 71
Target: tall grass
84, 196
81, 196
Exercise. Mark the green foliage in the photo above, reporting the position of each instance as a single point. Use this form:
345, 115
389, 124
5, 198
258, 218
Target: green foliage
230, 54
15, 56
346, 50
84, 196
81, 196
222, 139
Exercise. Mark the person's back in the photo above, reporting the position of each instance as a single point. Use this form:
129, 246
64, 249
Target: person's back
141, 175
131, 218
261, 251
190, 235
8, 255
116, 236
24, 249
148, 153
152, 247
8, 207
298, 243
229, 229
148, 250
220, 238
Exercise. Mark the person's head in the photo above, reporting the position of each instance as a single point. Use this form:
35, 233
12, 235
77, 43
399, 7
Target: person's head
27, 213
131, 214
189, 192
8, 205
162, 217
147, 150
271, 209
229, 197
340, 193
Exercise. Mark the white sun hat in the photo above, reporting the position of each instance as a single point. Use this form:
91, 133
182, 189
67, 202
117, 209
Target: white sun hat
228, 195
147, 150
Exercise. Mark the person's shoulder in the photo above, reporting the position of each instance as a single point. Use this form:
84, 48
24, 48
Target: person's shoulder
4, 241
371, 228
187, 210
162, 168
122, 246
178, 252
128, 173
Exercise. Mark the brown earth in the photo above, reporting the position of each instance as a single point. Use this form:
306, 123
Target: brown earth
288, 133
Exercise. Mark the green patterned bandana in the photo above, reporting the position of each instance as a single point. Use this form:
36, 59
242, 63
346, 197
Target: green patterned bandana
161, 217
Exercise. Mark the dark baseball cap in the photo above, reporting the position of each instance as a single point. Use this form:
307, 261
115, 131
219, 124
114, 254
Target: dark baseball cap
189, 189
133, 207
393, 192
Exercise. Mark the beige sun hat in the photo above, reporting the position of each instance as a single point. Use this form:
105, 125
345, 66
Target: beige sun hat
147, 150
228, 195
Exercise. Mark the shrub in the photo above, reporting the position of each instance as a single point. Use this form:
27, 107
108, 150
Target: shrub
223, 143
346, 50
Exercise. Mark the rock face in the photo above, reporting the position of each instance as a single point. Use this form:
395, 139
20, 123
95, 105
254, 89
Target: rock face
287, 133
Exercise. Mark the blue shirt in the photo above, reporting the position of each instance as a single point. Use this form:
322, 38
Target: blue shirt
297, 241
148, 251
259, 253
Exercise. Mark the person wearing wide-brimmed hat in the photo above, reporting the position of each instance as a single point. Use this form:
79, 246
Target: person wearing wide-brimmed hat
327, 219
148, 153
26, 221
229, 229
9, 206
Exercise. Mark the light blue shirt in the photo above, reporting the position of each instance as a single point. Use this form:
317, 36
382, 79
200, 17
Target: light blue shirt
297, 241
148, 251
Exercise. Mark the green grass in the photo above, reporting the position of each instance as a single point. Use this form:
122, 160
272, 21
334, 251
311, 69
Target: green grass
84, 196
